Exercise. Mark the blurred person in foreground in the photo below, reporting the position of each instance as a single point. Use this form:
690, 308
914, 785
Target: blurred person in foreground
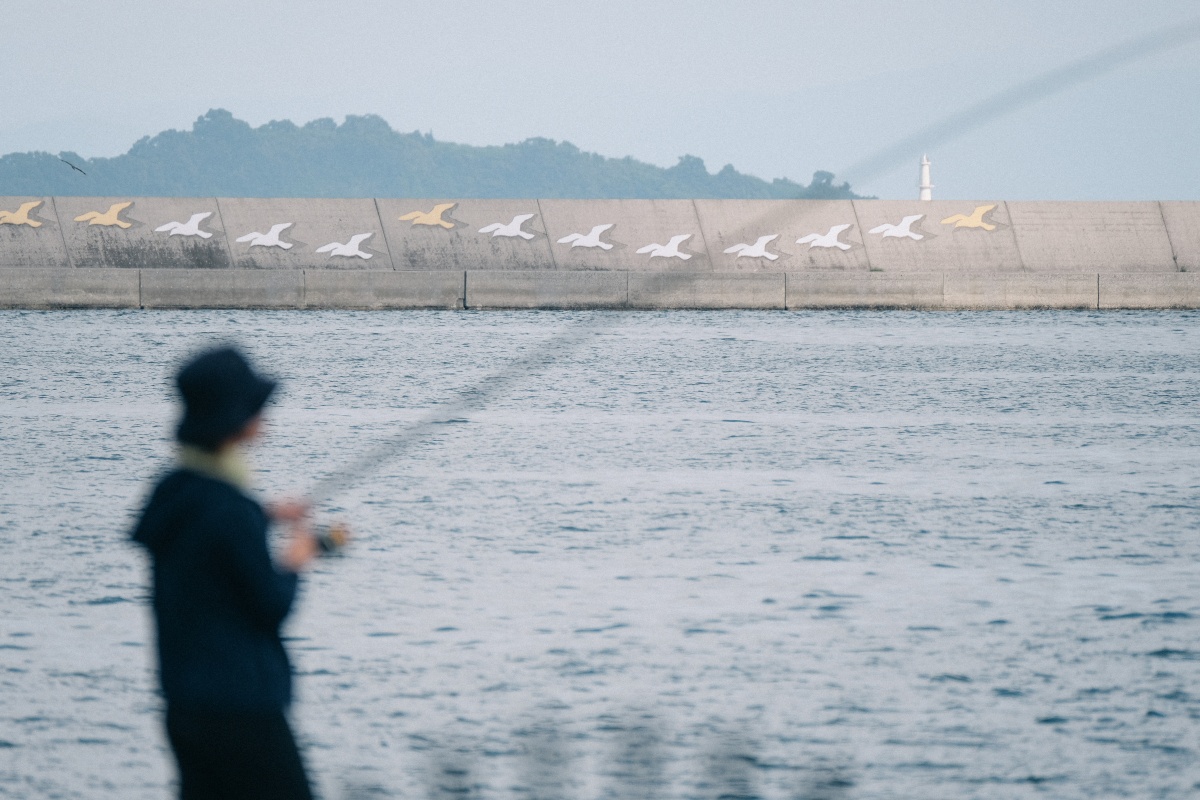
219, 598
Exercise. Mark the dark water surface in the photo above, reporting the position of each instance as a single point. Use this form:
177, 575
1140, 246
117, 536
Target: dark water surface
931, 555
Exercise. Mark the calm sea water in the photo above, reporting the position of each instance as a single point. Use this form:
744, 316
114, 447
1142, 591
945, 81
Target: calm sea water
773, 555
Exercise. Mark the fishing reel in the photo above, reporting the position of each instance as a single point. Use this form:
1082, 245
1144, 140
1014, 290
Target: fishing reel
331, 538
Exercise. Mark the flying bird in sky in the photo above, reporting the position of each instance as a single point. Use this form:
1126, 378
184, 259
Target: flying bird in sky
72, 166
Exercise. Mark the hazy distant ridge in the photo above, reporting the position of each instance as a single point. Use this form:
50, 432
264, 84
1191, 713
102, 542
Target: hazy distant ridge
363, 157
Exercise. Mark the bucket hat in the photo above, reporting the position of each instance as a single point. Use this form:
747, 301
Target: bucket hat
221, 393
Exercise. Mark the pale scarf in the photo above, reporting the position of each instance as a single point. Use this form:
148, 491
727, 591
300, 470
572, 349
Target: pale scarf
227, 464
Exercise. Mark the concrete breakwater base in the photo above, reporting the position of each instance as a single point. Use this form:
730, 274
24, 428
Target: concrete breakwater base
111, 252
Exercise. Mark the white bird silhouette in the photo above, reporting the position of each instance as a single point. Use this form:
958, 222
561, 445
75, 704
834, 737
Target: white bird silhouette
189, 228
348, 249
591, 240
511, 229
828, 240
668, 250
900, 231
756, 250
268, 239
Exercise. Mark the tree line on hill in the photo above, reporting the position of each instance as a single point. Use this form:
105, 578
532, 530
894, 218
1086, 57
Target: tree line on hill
363, 157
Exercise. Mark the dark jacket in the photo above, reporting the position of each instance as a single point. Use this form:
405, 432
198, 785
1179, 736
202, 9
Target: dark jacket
219, 602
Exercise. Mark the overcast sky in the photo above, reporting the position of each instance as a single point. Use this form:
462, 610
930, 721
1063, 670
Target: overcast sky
778, 89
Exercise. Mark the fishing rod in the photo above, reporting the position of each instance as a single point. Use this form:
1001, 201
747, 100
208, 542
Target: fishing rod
1024, 94
1000, 104
472, 398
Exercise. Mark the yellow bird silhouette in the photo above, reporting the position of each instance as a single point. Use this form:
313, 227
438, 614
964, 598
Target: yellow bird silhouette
433, 217
21, 215
975, 220
110, 217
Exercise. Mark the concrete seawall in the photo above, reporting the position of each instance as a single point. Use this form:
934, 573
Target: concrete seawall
112, 252
492, 289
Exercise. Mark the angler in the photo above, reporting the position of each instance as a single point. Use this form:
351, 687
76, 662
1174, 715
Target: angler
219, 599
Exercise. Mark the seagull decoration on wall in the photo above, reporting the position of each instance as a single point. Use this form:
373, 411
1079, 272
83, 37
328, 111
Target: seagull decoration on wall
756, 250
108, 218
902, 230
972, 220
189, 228
268, 239
21, 215
592, 239
433, 217
826, 240
511, 229
668, 250
350, 249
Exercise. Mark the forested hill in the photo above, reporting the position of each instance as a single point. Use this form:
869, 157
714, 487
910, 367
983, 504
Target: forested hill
363, 157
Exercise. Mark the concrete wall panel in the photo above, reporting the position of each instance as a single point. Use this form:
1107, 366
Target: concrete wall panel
1183, 229
30, 235
745, 224
508, 253
447, 234
336, 226
124, 232
40, 287
871, 290
715, 290
537, 289
1092, 237
947, 235
998, 290
232, 288
1178, 290
325, 288
607, 234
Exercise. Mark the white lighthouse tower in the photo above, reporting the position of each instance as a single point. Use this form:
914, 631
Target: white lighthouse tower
925, 186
